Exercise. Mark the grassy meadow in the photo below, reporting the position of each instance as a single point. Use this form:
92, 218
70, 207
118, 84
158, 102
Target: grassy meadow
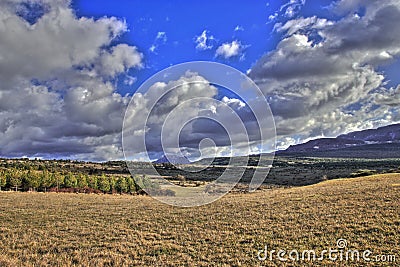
57, 229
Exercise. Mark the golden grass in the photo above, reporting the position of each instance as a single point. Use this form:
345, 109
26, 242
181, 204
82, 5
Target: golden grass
38, 229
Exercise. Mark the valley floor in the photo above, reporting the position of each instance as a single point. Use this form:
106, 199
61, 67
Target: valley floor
53, 229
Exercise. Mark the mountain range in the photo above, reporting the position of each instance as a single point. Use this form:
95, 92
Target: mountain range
383, 142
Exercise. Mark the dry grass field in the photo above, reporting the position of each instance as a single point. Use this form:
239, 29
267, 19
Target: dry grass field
38, 229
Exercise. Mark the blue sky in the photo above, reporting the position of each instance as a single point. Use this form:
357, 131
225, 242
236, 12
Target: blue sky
182, 22
69, 68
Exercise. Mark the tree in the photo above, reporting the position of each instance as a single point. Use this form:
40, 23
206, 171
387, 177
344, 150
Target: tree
92, 181
58, 179
131, 184
104, 183
70, 180
113, 183
3, 179
31, 180
15, 179
82, 182
47, 180
143, 182
122, 185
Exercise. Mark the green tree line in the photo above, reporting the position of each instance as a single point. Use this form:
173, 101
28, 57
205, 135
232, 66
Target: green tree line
43, 180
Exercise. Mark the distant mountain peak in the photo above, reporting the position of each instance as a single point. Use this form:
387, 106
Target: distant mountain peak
174, 159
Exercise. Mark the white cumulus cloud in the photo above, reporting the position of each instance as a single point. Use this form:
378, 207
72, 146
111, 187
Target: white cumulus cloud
57, 94
204, 41
323, 77
228, 50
